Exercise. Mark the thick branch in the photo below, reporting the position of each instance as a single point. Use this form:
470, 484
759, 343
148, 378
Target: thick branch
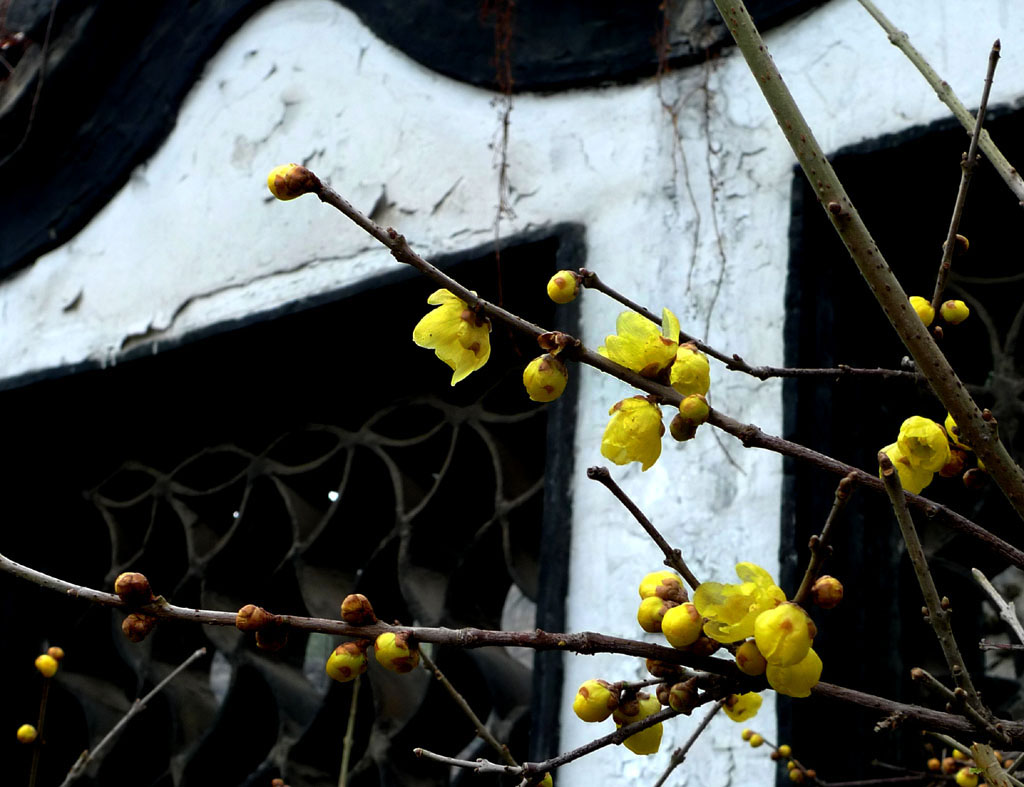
869, 259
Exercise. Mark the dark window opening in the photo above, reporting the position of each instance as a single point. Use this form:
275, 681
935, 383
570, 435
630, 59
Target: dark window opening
288, 463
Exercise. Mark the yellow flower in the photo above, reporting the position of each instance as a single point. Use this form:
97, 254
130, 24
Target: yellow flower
913, 479
457, 336
545, 378
740, 707
691, 373
646, 741
639, 345
784, 634
732, 609
797, 680
634, 433
954, 432
924, 309
923, 442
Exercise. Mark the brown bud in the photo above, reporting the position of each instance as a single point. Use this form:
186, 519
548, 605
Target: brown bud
357, 611
682, 429
277, 783
961, 244
955, 465
662, 693
775, 755
948, 765
937, 330
827, 592
811, 773
916, 673
704, 646
55, 653
974, 479
133, 588
663, 669
944, 603
272, 638
252, 618
137, 626
682, 697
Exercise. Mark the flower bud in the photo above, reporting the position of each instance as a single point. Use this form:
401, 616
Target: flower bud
934, 764
563, 287
663, 669
636, 707
252, 618
747, 734
394, 652
547, 781
595, 700
740, 707
690, 372
923, 308
47, 665
348, 660
666, 585
785, 750
784, 634
651, 612
755, 740
545, 378
954, 312
749, 659
356, 610
796, 775
948, 765
955, 465
703, 646
137, 626
827, 592
682, 697
693, 411
682, 625
954, 432
964, 778
55, 652
133, 588
290, 181
272, 638
27, 733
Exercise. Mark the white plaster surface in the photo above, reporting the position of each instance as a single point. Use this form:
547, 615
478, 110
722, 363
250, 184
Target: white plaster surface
696, 221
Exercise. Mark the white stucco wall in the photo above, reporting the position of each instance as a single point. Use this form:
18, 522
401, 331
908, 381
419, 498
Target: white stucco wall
193, 239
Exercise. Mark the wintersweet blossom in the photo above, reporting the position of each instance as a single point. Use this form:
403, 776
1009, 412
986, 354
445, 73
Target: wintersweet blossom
913, 479
798, 679
691, 373
732, 609
456, 334
634, 433
639, 344
740, 707
784, 634
923, 442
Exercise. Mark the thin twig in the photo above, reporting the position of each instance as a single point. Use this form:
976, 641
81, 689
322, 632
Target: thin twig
591, 280
820, 549
38, 749
869, 259
481, 728
956, 700
986, 645
967, 166
949, 741
938, 615
1007, 611
680, 754
136, 707
946, 95
749, 434
350, 733
673, 557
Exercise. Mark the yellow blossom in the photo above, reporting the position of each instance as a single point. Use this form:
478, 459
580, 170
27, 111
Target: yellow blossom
732, 609
634, 433
740, 707
646, 741
798, 679
954, 432
691, 373
784, 634
913, 479
455, 333
923, 442
923, 308
638, 344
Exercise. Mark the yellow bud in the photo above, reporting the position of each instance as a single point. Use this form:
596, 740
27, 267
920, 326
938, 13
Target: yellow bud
827, 592
784, 634
639, 707
663, 584
785, 750
682, 697
348, 660
47, 665
747, 734
755, 740
27, 733
923, 308
796, 775
651, 612
959, 755
290, 181
563, 287
595, 700
682, 625
749, 659
55, 652
646, 741
394, 652
547, 781
740, 707
954, 312
545, 378
964, 778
